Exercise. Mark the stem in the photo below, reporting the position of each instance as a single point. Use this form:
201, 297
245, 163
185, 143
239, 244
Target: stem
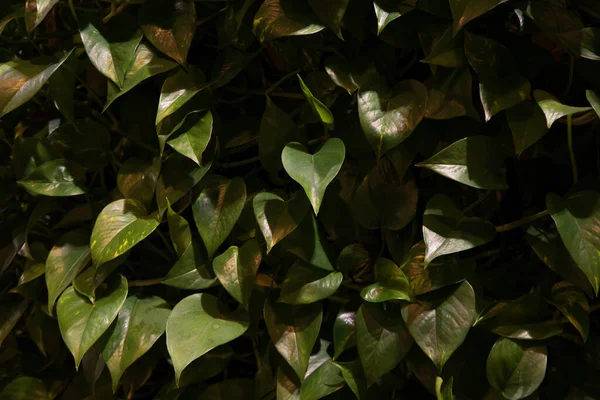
73, 13
571, 152
583, 119
240, 163
116, 11
147, 282
522, 221
279, 82
476, 202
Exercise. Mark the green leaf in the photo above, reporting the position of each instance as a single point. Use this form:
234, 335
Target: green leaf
355, 378
192, 271
382, 340
344, 331
12, 309
594, 100
178, 89
464, 11
111, 46
25, 388
305, 284
169, 26
577, 218
36, 11
387, 11
217, 209
314, 172
389, 116
573, 304
197, 325
194, 138
137, 178
146, 63
440, 323
444, 391
57, 178
277, 218
527, 122
516, 368
276, 130
279, 18
294, 330
323, 381
474, 161
446, 230
346, 74
236, 269
179, 231
121, 225
141, 321
309, 244
447, 50
89, 280
317, 106
331, 13
82, 323
352, 257
553, 109
62, 89
391, 283
66, 260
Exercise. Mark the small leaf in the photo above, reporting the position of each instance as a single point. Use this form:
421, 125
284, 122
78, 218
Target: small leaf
573, 304
516, 368
279, 18
440, 323
331, 13
82, 323
464, 11
57, 178
344, 331
169, 26
387, 11
305, 284
194, 138
178, 89
36, 11
317, 106
314, 172
471, 161
553, 109
447, 231
217, 209
391, 283
382, 340
25, 388
141, 321
137, 178
66, 260
294, 330
527, 122
197, 325
236, 269
121, 225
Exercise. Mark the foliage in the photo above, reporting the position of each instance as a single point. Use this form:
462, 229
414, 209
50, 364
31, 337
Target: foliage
299, 199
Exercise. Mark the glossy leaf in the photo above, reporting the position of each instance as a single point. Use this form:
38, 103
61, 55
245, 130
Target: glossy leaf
388, 11
192, 271
180, 232
314, 172
121, 225
36, 11
464, 11
304, 284
178, 89
573, 304
82, 323
279, 18
527, 122
594, 100
25, 388
309, 244
344, 331
194, 138
391, 283
355, 378
317, 106
57, 178
197, 325
331, 13
352, 257
89, 280
323, 381
137, 178
553, 109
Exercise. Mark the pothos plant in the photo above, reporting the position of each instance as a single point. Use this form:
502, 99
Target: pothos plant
299, 199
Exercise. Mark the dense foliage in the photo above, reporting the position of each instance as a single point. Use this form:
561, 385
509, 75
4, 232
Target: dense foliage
299, 199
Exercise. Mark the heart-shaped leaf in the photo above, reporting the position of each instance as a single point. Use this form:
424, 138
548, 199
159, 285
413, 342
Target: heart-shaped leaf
314, 172
82, 323
217, 209
577, 218
236, 269
305, 284
140, 322
36, 11
464, 11
25, 388
391, 283
516, 368
121, 225
573, 304
294, 330
279, 18
553, 109
344, 331
277, 218
527, 122
389, 116
194, 137
440, 323
331, 13
169, 26
197, 325
66, 260
447, 231
57, 178
470, 161
387, 11
317, 106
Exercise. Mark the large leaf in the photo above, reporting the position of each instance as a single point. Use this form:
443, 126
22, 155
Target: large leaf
389, 116
553, 109
141, 321
516, 368
344, 331
217, 209
391, 283
279, 18
194, 138
25, 388
321, 382
464, 11
577, 218
382, 340
305, 284
89, 280
169, 26
309, 244
474, 161
314, 172
82, 323
446, 230
121, 225
137, 178
197, 325
192, 271
236, 269
294, 330
111, 46
66, 260
36, 11
178, 89
58, 178
440, 323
